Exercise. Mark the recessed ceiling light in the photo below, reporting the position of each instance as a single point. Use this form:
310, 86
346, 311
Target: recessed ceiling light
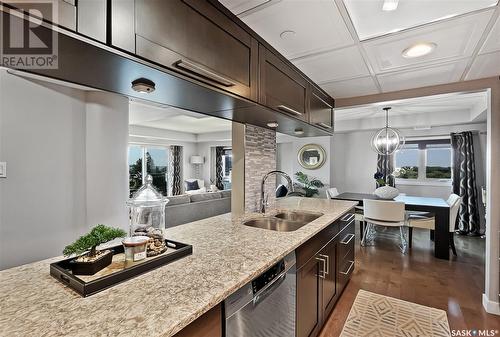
272, 124
287, 34
419, 49
390, 5
143, 85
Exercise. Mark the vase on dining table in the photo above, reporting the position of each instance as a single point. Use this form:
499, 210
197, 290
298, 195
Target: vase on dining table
386, 192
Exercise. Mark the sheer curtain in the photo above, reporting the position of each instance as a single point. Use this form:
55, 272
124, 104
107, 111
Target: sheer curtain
464, 182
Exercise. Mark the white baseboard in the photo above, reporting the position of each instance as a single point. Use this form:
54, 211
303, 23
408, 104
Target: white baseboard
490, 306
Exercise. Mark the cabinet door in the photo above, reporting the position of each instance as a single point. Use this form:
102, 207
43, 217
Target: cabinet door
194, 38
329, 288
309, 298
282, 88
208, 325
321, 110
92, 19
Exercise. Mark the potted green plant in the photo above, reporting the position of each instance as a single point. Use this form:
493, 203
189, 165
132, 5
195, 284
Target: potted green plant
90, 259
308, 185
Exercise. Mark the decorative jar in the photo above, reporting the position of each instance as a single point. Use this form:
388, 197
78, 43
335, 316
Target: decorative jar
147, 209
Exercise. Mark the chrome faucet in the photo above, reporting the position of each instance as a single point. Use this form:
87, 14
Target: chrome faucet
263, 200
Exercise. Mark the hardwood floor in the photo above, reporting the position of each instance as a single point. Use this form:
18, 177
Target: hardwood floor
455, 286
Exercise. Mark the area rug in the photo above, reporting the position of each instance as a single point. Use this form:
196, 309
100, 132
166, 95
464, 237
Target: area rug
374, 315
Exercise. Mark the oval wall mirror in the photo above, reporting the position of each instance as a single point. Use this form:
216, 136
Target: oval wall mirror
311, 156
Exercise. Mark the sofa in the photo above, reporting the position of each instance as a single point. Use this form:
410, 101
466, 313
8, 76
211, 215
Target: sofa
186, 208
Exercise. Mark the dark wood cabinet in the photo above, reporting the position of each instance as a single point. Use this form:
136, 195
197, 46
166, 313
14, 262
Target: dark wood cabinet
309, 298
325, 264
196, 39
208, 325
281, 87
329, 286
321, 110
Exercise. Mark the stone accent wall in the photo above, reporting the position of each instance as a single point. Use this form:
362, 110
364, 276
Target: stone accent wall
260, 158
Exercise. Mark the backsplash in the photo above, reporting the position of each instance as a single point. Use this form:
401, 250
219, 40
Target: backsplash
260, 158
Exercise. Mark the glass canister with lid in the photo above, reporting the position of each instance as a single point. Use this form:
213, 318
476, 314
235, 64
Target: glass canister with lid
147, 216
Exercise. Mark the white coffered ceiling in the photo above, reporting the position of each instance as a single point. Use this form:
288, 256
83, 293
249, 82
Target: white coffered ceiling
422, 112
147, 114
354, 48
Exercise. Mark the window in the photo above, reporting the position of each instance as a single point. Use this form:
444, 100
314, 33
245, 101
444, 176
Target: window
407, 162
424, 160
144, 160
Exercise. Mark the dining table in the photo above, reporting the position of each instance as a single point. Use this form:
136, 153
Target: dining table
439, 207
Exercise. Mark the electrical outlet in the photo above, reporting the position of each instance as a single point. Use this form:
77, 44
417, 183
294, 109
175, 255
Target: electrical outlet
3, 169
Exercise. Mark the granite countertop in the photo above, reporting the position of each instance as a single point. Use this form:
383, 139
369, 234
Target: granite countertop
226, 255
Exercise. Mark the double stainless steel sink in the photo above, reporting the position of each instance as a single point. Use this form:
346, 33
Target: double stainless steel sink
284, 221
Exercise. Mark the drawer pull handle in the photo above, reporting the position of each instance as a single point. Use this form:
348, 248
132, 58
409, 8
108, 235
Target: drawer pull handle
347, 217
322, 272
348, 269
324, 125
327, 263
288, 110
349, 238
203, 72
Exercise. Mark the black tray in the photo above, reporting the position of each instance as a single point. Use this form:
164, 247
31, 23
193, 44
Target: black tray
62, 271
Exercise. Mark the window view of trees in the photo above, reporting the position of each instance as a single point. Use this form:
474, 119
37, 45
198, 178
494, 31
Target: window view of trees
426, 159
438, 161
156, 166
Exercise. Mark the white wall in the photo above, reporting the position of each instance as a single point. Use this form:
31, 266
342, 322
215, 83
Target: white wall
106, 159
287, 150
44, 132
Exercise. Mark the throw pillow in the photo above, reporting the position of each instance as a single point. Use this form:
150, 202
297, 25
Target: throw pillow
192, 185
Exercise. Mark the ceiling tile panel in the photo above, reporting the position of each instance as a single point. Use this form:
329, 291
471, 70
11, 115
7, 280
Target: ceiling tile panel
492, 42
486, 65
317, 26
336, 65
422, 77
371, 21
240, 6
454, 39
350, 88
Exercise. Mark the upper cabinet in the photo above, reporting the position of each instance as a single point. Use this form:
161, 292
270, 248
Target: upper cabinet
321, 110
282, 87
196, 39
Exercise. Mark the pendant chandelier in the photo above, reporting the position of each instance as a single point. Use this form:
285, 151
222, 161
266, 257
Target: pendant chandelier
387, 140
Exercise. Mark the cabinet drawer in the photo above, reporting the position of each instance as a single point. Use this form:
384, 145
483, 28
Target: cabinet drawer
281, 87
346, 267
309, 249
346, 240
194, 38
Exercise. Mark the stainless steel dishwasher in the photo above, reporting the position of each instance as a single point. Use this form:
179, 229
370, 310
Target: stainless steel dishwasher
264, 307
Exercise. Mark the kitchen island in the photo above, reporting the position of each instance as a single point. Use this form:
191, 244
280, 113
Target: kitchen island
226, 255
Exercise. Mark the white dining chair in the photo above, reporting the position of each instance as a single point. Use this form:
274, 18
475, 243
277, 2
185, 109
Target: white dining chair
428, 221
332, 193
384, 213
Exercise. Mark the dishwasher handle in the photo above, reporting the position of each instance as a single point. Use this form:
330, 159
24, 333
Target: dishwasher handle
262, 294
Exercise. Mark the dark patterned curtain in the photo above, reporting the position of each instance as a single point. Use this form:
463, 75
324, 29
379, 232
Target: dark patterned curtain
464, 182
175, 170
219, 152
385, 165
